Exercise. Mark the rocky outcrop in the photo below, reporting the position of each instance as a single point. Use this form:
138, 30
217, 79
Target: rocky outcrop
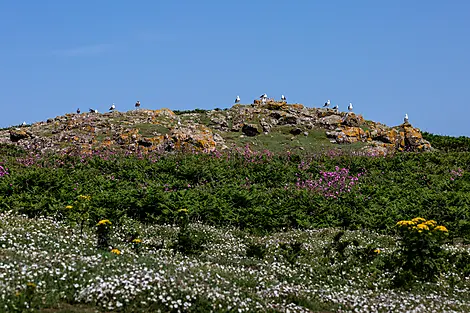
250, 130
163, 130
18, 134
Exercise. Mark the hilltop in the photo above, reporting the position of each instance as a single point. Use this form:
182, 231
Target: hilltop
272, 125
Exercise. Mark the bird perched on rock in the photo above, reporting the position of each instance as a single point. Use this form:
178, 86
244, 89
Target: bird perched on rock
406, 119
93, 111
237, 99
327, 104
350, 107
283, 98
264, 97
23, 124
137, 104
336, 107
112, 107
78, 111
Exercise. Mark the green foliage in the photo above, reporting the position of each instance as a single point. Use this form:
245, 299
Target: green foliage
180, 112
419, 255
256, 250
255, 192
291, 251
103, 234
188, 242
448, 143
336, 250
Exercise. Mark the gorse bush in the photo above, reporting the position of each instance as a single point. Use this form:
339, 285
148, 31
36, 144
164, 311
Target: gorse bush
103, 234
420, 249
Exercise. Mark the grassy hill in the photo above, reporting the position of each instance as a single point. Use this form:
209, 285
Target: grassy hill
145, 211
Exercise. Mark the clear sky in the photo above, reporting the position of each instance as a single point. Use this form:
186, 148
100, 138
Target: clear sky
386, 57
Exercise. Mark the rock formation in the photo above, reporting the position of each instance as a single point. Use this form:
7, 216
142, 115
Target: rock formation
205, 131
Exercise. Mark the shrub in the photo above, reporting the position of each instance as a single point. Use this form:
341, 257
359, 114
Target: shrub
103, 233
420, 249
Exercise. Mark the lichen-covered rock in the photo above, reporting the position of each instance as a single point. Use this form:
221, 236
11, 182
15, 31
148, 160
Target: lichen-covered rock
197, 137
18, 134
288, 119
163, 130
331, 120
354, 120
250, 130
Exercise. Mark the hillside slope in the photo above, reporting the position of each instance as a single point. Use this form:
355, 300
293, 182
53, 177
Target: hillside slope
272, 125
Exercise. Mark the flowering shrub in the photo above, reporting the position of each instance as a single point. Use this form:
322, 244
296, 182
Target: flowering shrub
3, 171
331, 184
456, 173
420, 248
78, 210
103, 232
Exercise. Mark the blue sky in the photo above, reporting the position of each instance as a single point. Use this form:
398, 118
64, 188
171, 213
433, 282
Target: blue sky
387, 57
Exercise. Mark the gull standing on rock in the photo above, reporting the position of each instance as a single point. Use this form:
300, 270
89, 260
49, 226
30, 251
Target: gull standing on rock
350, 107
237, 99
327, 104
406, 119
78, 111
264, 97
283, 98
112, 107
336, 107
137, 104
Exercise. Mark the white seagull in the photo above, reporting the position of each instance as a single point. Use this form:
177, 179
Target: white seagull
137, 104
237, 100
112, 107
23, 124
283, 98
350, 107
406, 119
336, 107
327, 104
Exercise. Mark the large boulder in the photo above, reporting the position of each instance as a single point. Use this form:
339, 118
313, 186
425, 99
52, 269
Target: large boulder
331, 120
250, 130
193, 137
18, 134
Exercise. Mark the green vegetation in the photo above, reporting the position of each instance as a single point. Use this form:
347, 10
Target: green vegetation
247, 229
447, 143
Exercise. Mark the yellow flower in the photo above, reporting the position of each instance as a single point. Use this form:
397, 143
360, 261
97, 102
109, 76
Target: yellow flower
441, 228
116, 251
422, 227
137, 240
405, 223
418, 220
182, 211
103, 222
31, 285
69, 207
377, 251
431, 223
84, 197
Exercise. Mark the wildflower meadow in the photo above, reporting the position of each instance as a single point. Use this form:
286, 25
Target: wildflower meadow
234, 231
